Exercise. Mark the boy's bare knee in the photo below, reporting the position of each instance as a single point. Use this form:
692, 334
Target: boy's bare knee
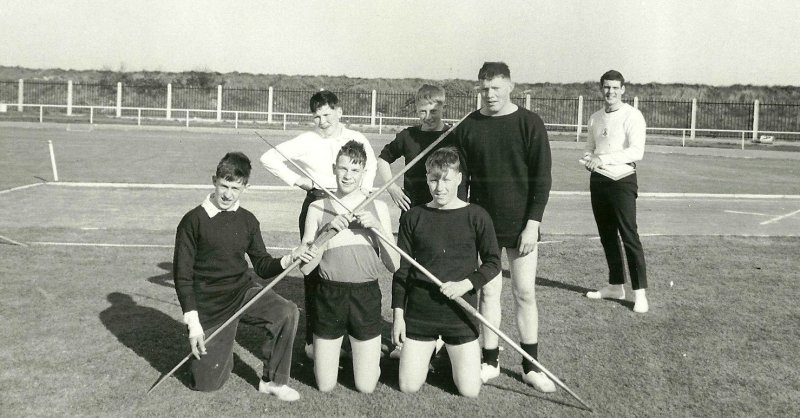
405, 387
470, 392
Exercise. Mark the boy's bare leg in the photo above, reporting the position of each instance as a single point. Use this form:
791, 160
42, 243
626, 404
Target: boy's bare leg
366, 363
491, 310
414, 359
326, 362
523, 286
466, 361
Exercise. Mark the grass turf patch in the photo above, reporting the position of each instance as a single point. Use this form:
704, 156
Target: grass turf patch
88, 330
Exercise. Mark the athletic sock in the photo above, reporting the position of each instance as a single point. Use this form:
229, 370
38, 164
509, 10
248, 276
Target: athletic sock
533, 350
491, 356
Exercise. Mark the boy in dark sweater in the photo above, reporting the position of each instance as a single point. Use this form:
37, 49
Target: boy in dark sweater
429, 102
507, 154
212, 281
423, 313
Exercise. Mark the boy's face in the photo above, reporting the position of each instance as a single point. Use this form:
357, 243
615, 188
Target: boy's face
226, 192
430, 115
327, 119
612, 92
496, 94
348, 174
443, 186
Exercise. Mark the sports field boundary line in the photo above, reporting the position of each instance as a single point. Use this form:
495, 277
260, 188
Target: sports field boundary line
292, 188
27, 186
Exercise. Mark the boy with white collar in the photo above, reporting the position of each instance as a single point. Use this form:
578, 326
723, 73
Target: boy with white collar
212, 281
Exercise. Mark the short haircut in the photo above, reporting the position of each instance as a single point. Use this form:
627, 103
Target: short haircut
355, 151
612, 75
441, 160
234, 166
491, 70
322, 98
429, 94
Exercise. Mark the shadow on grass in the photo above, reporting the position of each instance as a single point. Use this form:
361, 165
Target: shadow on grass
148, 332
163, 279
526, 390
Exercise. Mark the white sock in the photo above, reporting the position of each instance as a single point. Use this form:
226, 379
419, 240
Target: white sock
640, 304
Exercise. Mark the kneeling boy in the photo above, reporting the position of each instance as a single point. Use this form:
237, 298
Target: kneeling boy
348, 300
212, 281
445, 236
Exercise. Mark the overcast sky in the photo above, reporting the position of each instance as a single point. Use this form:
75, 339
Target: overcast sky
718, 42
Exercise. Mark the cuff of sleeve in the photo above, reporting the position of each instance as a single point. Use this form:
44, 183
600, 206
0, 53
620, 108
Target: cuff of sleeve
477, 280
286, 261
193, 321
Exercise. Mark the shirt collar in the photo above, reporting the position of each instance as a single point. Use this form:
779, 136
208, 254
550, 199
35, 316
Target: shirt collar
212, 210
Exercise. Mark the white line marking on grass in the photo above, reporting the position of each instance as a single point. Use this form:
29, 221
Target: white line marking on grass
291, 188
161, 186
20, 188
746, 213
106, 244
778, 218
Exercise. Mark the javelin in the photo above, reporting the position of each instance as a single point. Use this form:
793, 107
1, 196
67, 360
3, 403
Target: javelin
459, 300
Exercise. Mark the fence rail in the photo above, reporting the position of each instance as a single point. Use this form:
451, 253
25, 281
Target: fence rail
568, 114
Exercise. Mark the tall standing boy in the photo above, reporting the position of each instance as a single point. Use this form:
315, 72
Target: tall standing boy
617, 136
348, 298
507, 155
445, 236
316, 152
212, 281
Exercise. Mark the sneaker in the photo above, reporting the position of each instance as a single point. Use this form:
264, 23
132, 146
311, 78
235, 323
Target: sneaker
608, 292
310, 351
282, 392
539, 381
640, 305
489, 372
395, 354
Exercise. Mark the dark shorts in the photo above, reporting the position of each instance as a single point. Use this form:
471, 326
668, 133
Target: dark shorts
348, 308
449, 340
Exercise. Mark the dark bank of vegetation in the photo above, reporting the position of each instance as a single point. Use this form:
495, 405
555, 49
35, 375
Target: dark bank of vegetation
207, 79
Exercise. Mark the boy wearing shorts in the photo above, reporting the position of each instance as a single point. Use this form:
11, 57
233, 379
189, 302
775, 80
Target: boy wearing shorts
213, 282
423, 313
348, 298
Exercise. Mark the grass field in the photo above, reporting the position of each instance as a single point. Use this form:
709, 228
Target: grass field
88, 329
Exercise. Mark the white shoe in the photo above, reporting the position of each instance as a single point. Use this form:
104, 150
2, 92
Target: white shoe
395, 354
608, 292
310, 351
640, 305
282, 392
539, 381
489, 372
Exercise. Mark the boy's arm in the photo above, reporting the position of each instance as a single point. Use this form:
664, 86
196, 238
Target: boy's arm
371, 165
488, 249
390, 257
312, 230
400, 277
276, 164
264, 264
397, 194
183, 263
183, 274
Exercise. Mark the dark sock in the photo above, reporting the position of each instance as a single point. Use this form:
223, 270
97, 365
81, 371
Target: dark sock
533, 350
491, 356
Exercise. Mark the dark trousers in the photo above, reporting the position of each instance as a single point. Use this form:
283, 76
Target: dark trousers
272, 313
310, 281
614, 208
